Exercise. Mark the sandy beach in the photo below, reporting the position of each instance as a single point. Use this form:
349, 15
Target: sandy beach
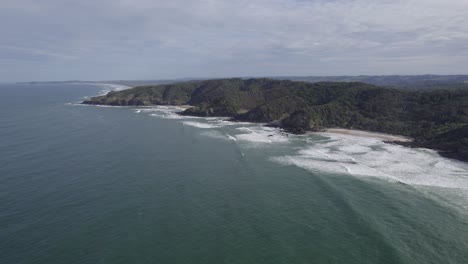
361, 133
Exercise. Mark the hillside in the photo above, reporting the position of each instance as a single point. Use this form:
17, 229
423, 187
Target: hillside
436, 119
405, 82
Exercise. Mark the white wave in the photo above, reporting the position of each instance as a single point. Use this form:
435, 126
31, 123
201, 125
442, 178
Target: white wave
231, 137
214, 118
110, 106
78, 104
224, 121
214, 134
170, 112
164, 108
165, 112
168, 116
373, 158
261, 134
199, 124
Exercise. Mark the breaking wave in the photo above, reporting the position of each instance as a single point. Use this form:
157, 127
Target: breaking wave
199, 124
341, 154
369, 157
261, 134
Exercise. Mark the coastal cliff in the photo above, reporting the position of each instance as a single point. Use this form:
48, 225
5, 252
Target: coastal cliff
436, 119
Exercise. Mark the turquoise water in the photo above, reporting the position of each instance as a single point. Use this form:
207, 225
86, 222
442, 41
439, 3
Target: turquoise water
86, 184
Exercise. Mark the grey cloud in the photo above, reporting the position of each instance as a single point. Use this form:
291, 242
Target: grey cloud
131, 39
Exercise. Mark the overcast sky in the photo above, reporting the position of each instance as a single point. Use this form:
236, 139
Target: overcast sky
150, 39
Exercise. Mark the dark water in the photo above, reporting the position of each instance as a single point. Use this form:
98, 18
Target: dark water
83, 184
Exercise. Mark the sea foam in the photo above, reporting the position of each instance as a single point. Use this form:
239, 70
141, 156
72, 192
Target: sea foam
165, 112
261, 134
199, 124
368, 157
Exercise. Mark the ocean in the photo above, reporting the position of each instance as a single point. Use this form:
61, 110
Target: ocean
90, 184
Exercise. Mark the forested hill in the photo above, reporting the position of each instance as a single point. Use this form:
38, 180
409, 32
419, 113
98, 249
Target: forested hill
436, 118
405, 82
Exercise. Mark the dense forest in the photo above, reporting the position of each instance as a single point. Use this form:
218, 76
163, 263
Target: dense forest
436, 119
405, 82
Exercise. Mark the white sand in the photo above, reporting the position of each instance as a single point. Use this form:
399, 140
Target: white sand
361, 133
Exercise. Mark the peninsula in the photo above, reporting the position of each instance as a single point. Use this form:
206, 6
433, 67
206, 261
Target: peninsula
436, 119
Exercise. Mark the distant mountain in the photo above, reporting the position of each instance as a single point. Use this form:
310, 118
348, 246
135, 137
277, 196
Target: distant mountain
410, 82
404, 82
131, 83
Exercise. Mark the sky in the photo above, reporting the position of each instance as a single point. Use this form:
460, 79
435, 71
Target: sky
52, 40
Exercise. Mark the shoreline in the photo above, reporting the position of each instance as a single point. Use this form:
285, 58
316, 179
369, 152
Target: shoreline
367, 134
384, 137
341, 131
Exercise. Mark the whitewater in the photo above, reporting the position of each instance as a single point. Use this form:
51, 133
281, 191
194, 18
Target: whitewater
338, 153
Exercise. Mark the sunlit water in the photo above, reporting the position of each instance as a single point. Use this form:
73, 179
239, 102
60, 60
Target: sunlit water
89, 184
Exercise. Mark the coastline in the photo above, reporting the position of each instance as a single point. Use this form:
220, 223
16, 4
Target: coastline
384, 137
342, 131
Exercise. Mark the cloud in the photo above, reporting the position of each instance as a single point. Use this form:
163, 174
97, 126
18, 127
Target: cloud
167, 39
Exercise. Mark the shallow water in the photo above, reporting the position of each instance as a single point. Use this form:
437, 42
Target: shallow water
87, 184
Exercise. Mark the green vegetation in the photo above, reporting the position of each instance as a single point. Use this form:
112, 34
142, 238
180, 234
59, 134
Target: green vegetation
405, 82
436, 118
